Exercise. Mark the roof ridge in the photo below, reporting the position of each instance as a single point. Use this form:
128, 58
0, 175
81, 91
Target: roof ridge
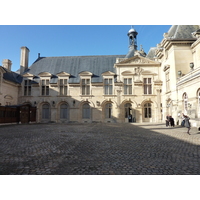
177, 28
82, 56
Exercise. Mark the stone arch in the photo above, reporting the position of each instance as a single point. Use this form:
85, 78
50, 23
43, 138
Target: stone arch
149, 110
44, 116
127, 111
63, 112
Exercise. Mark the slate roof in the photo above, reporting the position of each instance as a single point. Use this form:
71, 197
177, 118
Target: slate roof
151, 53
131, 52
74, 65
182, 31
12, 76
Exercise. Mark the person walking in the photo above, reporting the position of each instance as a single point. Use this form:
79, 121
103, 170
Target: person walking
167, 120
171, 120
187, 123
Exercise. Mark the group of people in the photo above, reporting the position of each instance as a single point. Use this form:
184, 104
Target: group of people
169, 121
185, 122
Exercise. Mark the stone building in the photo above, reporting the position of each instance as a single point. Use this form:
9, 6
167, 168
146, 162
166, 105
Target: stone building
136, 87
10, 84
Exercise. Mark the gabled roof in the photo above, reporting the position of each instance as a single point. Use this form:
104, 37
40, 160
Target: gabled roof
182, 31
12, 76
151, 53
73, 65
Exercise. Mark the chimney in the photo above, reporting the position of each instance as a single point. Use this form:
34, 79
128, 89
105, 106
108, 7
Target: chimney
24, 59
7, 64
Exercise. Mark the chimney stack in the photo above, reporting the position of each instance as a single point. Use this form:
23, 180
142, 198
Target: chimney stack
24, 59
7, 64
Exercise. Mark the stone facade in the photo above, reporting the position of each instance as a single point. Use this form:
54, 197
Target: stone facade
132, 88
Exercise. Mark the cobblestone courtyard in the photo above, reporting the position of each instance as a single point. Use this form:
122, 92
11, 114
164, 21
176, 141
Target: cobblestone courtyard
86, 149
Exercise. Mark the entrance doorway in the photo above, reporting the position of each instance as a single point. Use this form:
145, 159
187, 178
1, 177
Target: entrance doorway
147, 112
128, 111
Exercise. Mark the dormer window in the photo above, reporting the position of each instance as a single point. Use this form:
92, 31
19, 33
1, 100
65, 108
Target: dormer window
85, 82
85, 86
45, 76
27, 87
108, 82
63, 86
147, 86
108, 86
127, 86
45, 87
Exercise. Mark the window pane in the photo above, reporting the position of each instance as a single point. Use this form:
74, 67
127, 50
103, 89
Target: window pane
63, 111
86, 111
45, 112
43, 89
47, 90
65, 90
61, 90
29, 90
65, 81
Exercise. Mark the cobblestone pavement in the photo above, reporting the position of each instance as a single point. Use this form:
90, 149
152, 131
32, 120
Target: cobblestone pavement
47, 149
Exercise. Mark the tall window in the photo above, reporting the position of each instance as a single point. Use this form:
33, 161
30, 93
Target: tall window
167, 82
85, 84
108, 110
86, 111
147, 86
45, 87
27, 87
63, 86
127, 110
64, 111
45, 111
108, 86
185, 101
147, 110
128, 86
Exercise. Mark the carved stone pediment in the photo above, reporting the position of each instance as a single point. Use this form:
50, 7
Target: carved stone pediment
8, 97
63, 74
28, 75
85, 73
138, 60
158, 82
43, 74
127, 73
108, 73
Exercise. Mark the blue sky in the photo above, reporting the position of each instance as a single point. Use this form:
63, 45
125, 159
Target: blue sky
73, 40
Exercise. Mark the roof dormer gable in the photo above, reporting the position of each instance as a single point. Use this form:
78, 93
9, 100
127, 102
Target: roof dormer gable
63, 74
85, 73
135, 60
108, 73
45, 74
28, 75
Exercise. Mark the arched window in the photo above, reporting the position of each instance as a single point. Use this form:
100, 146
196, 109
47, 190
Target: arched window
147, 110
64, 111
127, 110
185, 102
86, 111
45, 111
108, 110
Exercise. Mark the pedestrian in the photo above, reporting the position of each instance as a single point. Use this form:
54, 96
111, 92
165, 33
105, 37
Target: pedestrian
167, 120
171, 120
187, 123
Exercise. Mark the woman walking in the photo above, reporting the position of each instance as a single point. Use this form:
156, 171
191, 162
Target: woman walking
187, 122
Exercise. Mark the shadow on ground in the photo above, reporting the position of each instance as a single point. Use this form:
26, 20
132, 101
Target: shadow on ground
99, 149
